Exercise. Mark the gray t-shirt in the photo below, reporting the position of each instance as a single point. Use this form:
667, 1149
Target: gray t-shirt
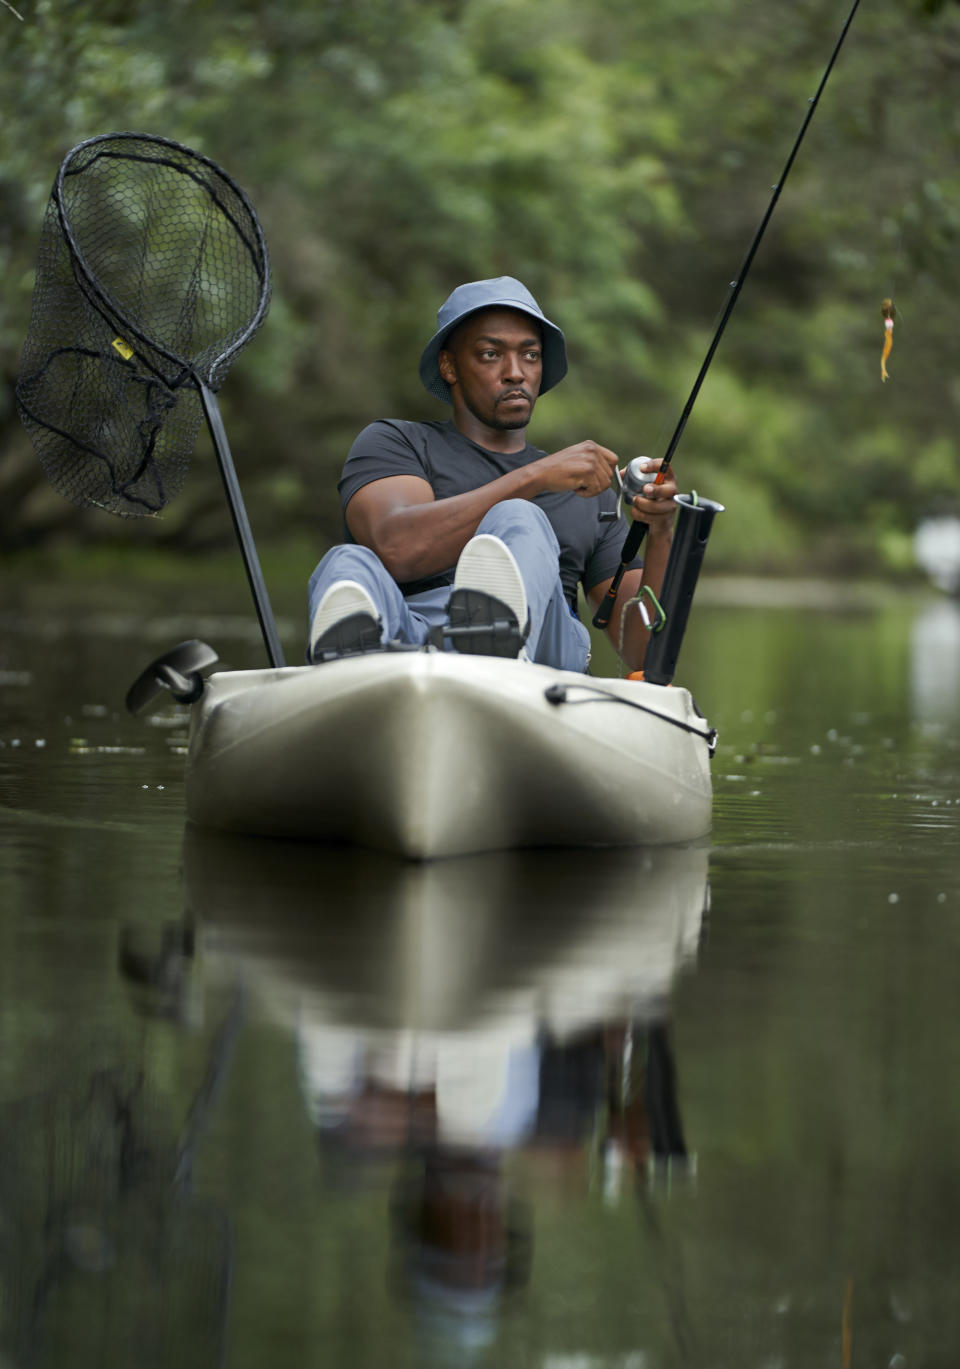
452, 464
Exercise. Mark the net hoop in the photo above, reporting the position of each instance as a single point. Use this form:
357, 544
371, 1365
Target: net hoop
152, 276
96, 291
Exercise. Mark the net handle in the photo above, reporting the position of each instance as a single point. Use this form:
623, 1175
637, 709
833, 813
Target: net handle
241, 526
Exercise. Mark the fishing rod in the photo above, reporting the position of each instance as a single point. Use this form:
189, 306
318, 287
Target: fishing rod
637, 533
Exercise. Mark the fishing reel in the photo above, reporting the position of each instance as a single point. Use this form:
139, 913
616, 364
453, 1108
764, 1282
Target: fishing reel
628, 486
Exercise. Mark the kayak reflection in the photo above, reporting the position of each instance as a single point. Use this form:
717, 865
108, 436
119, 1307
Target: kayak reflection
505, 942
465, 1023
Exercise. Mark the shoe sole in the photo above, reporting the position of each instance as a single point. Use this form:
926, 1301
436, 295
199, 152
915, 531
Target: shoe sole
488, 592
488, 565
346, 621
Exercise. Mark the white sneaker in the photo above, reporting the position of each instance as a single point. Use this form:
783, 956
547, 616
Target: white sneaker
488, 593
346, 621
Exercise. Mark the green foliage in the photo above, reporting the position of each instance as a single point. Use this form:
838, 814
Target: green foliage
616, 157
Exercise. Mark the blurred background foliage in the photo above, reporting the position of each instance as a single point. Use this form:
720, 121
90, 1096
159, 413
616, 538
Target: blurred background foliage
618, 158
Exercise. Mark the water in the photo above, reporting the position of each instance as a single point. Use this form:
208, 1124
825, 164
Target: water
266, 1104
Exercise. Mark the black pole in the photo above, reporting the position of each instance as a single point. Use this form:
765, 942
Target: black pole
238, 512
635, 536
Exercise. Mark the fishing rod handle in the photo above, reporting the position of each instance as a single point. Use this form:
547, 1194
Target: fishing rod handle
632, 544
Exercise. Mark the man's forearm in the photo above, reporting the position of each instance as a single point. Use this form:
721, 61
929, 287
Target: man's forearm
415, 535
419, 539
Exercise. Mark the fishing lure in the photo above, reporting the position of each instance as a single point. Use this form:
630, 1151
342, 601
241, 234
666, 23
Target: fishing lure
888, 313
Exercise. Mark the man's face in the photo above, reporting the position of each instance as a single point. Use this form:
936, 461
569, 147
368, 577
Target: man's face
493, 364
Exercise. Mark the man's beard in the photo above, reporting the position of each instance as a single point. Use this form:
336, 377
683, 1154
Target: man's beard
495, 421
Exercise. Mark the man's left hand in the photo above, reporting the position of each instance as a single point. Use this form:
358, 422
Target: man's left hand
654, 505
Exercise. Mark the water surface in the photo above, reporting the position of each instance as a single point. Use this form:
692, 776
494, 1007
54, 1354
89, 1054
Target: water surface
264, 1103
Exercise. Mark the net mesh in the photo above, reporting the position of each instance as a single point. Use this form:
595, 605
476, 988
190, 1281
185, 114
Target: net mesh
152, 275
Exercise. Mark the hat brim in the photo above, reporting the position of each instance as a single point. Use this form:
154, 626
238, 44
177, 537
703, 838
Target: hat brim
552, 339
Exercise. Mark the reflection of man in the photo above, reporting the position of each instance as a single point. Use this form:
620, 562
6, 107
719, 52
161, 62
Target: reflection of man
448, 1107
464, 524
460, 1244
376, 1092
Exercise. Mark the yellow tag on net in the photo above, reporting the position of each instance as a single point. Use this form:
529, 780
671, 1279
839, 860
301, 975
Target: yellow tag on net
124, 348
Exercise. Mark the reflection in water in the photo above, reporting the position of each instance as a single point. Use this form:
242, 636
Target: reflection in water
453, 1016
552, 940
461, 1243
935, 662
106, 1255
159, 974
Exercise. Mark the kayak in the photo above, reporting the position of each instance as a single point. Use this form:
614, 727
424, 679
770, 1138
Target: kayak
425, 753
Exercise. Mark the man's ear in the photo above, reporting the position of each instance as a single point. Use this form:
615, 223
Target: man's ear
447, 366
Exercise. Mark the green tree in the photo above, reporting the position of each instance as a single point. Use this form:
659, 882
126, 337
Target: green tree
618, 158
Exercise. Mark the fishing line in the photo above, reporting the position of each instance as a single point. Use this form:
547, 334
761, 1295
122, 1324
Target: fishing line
637, 533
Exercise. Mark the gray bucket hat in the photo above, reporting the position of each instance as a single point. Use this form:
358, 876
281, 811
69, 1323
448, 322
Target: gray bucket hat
501, 293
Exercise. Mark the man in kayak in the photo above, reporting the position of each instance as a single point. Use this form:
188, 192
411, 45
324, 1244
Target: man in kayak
462, 527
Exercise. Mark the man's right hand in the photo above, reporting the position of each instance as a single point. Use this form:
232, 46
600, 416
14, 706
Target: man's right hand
586, 468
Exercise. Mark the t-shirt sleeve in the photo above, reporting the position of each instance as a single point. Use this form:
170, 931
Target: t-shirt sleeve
603, 561
383, 449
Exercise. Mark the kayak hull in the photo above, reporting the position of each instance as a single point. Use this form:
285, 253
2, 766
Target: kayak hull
426, 754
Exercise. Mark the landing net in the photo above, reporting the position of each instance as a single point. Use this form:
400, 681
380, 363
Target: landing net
152, 276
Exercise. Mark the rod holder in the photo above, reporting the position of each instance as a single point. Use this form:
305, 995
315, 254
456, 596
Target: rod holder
690, 534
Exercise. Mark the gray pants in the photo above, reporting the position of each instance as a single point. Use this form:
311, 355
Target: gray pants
557, 637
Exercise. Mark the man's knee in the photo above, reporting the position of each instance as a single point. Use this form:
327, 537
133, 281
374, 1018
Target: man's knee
518, 516
345, 562
346, 555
